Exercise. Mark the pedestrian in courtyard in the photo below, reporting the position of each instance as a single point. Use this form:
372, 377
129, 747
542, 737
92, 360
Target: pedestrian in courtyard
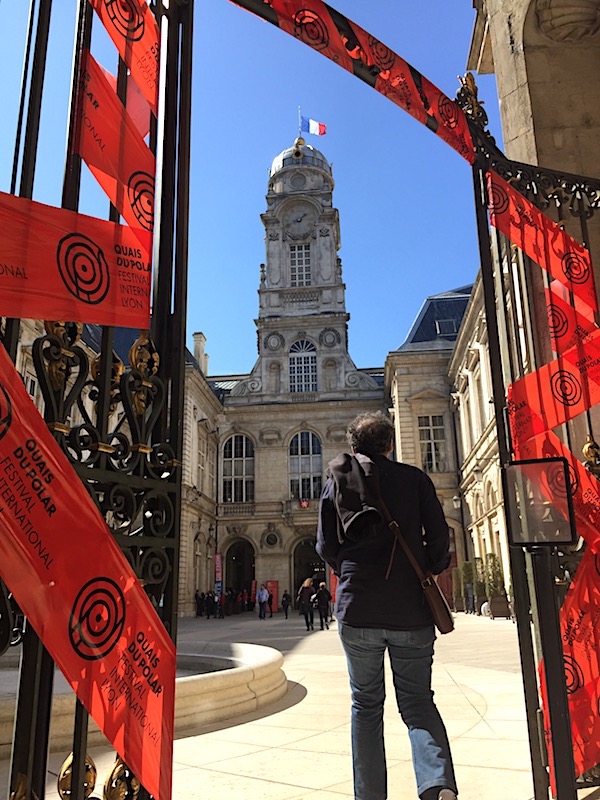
209, 602
286, 602
270, 603
377, 613
261, 598
199, 598
321, 601
305, 595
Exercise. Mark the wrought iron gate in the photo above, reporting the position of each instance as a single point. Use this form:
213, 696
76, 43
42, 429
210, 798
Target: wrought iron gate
113, 400
519, 343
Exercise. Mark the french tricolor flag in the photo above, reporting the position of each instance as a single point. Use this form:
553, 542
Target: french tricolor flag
312, 126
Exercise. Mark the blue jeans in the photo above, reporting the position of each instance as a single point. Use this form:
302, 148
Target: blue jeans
411, 657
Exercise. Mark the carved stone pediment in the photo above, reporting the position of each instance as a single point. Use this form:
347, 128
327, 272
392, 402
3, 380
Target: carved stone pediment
270, 436
569, 21
336, 433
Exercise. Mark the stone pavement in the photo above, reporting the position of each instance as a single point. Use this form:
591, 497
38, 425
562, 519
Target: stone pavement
299, 747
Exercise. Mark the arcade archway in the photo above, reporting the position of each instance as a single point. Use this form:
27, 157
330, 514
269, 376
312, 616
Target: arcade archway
239, 566
307, 564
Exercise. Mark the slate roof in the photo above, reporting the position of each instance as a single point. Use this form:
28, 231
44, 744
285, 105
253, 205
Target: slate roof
437, 323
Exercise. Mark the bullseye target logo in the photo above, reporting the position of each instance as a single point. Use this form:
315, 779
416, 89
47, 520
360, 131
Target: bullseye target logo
557, 481
557, 321
83, 268
140, 189
497, 199
574, 678
5, 411
383, 57
448, 112
310, 29
97, 619
126, 18
575, 267
566, 388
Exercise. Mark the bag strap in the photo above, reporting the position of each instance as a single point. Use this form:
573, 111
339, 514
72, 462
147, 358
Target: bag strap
399, 537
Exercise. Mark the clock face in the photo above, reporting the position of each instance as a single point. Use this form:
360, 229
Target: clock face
298, 220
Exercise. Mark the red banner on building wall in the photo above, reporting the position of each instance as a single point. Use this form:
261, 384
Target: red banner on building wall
133, 29
113, 149
79, 593
335, 36
57, 264
273, 588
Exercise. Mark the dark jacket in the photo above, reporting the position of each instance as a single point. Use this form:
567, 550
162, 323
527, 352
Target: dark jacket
364, 598
322, 599
304, 597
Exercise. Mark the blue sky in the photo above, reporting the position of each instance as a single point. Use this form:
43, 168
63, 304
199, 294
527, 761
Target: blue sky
404, 197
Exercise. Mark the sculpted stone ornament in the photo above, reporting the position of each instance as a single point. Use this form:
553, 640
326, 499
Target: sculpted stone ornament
569, 21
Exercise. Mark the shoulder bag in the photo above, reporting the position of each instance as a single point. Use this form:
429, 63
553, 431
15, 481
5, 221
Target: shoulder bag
442, 616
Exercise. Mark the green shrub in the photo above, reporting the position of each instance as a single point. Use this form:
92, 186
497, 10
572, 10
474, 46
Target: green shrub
457, 588
494, 578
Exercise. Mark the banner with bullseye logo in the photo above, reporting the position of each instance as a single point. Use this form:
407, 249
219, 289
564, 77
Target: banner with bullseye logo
90, 612
335, 36
57, 264
133, 29
114, 151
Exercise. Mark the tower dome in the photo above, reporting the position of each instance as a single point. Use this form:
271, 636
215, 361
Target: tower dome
299, 154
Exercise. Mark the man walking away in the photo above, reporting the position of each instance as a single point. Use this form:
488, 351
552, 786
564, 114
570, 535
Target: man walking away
261, 598
378, 614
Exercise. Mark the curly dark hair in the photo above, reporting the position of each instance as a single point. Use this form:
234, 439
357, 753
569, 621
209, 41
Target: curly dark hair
371, 432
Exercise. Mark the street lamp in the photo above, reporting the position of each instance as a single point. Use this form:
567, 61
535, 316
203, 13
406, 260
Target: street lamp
456, 501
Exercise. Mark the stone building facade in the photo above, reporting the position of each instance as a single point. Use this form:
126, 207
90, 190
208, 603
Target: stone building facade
271, 433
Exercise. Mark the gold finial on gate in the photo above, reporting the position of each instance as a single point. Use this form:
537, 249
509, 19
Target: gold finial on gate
66, 773
591, 453
121, 784
467, 98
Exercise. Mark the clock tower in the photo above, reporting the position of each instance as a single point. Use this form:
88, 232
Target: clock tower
302, 321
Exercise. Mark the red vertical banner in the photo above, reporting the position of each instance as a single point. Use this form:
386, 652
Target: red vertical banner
133, 29
113, 149
273, 588
333, 582
253, 592
91, 613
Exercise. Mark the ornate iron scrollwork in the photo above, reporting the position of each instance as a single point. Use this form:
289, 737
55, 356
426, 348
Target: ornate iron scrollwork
62, 367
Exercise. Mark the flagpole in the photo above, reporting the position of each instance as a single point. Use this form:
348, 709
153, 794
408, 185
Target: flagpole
299, 122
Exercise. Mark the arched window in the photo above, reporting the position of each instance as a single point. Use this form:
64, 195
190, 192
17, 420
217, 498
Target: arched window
306, 466
303, 367
238, 470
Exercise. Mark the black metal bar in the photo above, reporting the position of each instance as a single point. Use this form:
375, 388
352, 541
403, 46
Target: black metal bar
517, 560
72, 178
32, 721
556, 691
80, 736
24, 83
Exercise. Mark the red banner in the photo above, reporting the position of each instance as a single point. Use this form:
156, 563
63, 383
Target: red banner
90, 612
545, 242
112, 147
335, 36
133, 29
580, 630
273, 588
570, 320
557, 392
136, 104
57, 264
